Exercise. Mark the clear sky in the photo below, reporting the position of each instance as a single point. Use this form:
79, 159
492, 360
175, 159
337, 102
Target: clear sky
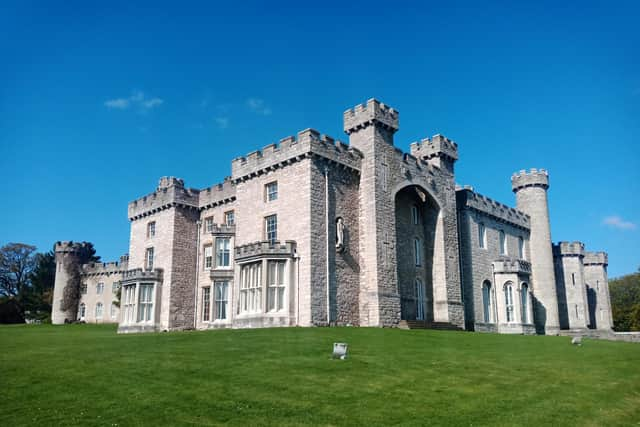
100, 99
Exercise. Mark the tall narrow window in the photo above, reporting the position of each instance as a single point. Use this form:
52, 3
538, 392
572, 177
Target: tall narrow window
577, 315
520, 247
206, 304
151, 229
385, 176
222, 299
82, 311
486, 301
114, 287
223, 252
208, 224
99, 310
129, 301
415, 215
271, 228
149, 259
597, 286
230, 218
573, 279
420, 300
99, 288
482, 236
508, 296
524, 295
208, 257
251, 288
145, 303
275, 285
417, 251
113, 310
503, 243
83, 289
271, 191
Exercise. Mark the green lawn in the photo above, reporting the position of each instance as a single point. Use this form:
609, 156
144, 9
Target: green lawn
89, 375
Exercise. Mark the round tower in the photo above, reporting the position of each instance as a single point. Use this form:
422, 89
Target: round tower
531, 198
66, 253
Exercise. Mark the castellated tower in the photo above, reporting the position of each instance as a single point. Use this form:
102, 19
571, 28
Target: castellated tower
370, 128
531, 198
66, 254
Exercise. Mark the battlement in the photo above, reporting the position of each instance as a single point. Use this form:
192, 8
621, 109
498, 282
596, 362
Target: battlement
170, 192
568, 249
138, 274
218, 194
468, 199
66, 247
437, 146
289, 150
105, 268
264, 248
511, 265
533, 178
596, 258
373, 112
223, 229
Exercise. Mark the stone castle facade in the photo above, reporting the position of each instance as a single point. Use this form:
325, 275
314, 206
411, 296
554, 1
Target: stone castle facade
315, 232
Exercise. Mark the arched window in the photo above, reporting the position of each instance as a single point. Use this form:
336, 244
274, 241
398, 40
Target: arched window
482, 235
521, 247
419, 300
508, 298
486, 301
524, 296
82, 311
503, 243
99, 310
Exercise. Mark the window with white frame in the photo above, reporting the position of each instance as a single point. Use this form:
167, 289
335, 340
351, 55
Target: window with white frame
251, 288
83, 289
524, 295
145, 302
486, 301
482, 235
129, 303
100, 288
112, 310
503, 243
271, 191
151, 229
417, 251
271, 228
508, 297
99, 310
415, 215
230, 218
223, 252
275, 285
82, 311
208, 257
149, 259
520, 247
206, 304
222, 299
208, 224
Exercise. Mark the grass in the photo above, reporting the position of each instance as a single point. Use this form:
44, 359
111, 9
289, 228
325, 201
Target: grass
89, 375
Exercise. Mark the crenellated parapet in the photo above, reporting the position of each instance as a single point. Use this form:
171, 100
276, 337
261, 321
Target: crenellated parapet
265, 249
218, 194
139, 275
533, 178
596, 258
511, 265
565, 249
438, 146
104, 268
373, 112
171, 192
223, 230
468, 199
308, 143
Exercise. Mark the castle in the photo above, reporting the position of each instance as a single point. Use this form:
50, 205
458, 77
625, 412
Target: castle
316, 232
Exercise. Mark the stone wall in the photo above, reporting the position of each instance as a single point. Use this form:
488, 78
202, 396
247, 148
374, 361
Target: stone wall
571, 287
597, 281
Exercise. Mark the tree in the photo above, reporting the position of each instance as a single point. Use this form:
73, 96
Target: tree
40, 295
17, 262
625, 302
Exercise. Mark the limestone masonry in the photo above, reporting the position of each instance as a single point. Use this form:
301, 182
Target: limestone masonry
316, 232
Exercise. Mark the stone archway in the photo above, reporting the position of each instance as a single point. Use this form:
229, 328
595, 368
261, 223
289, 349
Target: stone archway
416, 214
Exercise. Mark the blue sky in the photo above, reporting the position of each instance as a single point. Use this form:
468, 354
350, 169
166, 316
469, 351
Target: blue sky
97, 101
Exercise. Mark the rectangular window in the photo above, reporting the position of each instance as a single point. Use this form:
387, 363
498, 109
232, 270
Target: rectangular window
415, 215
208, 224
222, 299
521, 247
145, 303
275, 285
99, 288
482, 236
112, 310
83, 289
503, 243
114, 287
223, 252
149, 259
208, 257
251, 288
128, 303
271, 191
417, 251
151, 229
206, 304
271, 228
230, 218
573, 279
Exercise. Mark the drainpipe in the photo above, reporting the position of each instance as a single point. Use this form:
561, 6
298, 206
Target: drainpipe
326, 225
195, 294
